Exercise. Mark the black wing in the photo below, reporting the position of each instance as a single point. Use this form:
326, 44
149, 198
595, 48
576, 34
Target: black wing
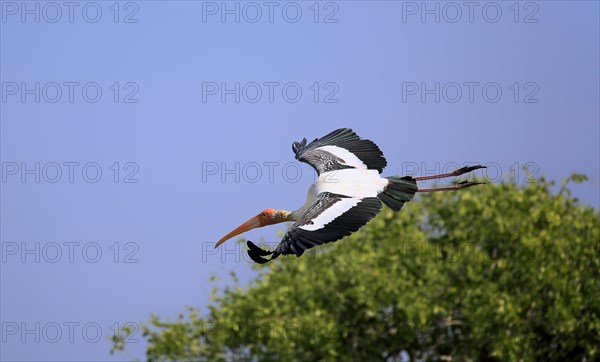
323, 161
298, 239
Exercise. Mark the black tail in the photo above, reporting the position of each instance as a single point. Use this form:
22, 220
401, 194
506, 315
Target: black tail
398, 191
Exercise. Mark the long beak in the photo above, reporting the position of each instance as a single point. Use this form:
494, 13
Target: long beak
248, 225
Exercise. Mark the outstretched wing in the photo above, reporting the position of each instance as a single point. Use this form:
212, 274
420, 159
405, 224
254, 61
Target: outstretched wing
330, 218
338, 150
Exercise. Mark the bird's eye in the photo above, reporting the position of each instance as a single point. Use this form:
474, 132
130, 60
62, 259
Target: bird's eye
264, 214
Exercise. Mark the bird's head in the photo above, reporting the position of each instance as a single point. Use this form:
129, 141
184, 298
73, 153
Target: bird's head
264, 218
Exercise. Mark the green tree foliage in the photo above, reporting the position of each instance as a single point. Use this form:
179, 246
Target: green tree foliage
496, 272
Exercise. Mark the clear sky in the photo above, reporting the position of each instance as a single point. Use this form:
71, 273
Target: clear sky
135, 134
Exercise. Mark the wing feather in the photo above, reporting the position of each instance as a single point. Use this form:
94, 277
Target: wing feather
306, 233
340, 149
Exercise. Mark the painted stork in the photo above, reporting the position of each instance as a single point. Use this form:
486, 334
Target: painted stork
347, 194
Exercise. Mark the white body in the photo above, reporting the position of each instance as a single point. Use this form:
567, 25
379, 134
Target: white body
351, 182
355, 183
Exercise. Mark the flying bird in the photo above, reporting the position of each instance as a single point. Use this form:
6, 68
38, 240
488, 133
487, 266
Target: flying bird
347, 194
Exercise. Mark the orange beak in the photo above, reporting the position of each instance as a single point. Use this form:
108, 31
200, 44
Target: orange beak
248, 225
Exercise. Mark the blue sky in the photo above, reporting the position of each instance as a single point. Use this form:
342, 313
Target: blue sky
155, 127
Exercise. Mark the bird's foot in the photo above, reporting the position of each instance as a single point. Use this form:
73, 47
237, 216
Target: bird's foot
466, 169
465, 184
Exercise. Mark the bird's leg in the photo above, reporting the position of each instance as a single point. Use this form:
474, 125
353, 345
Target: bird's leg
457, 172
458, 186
